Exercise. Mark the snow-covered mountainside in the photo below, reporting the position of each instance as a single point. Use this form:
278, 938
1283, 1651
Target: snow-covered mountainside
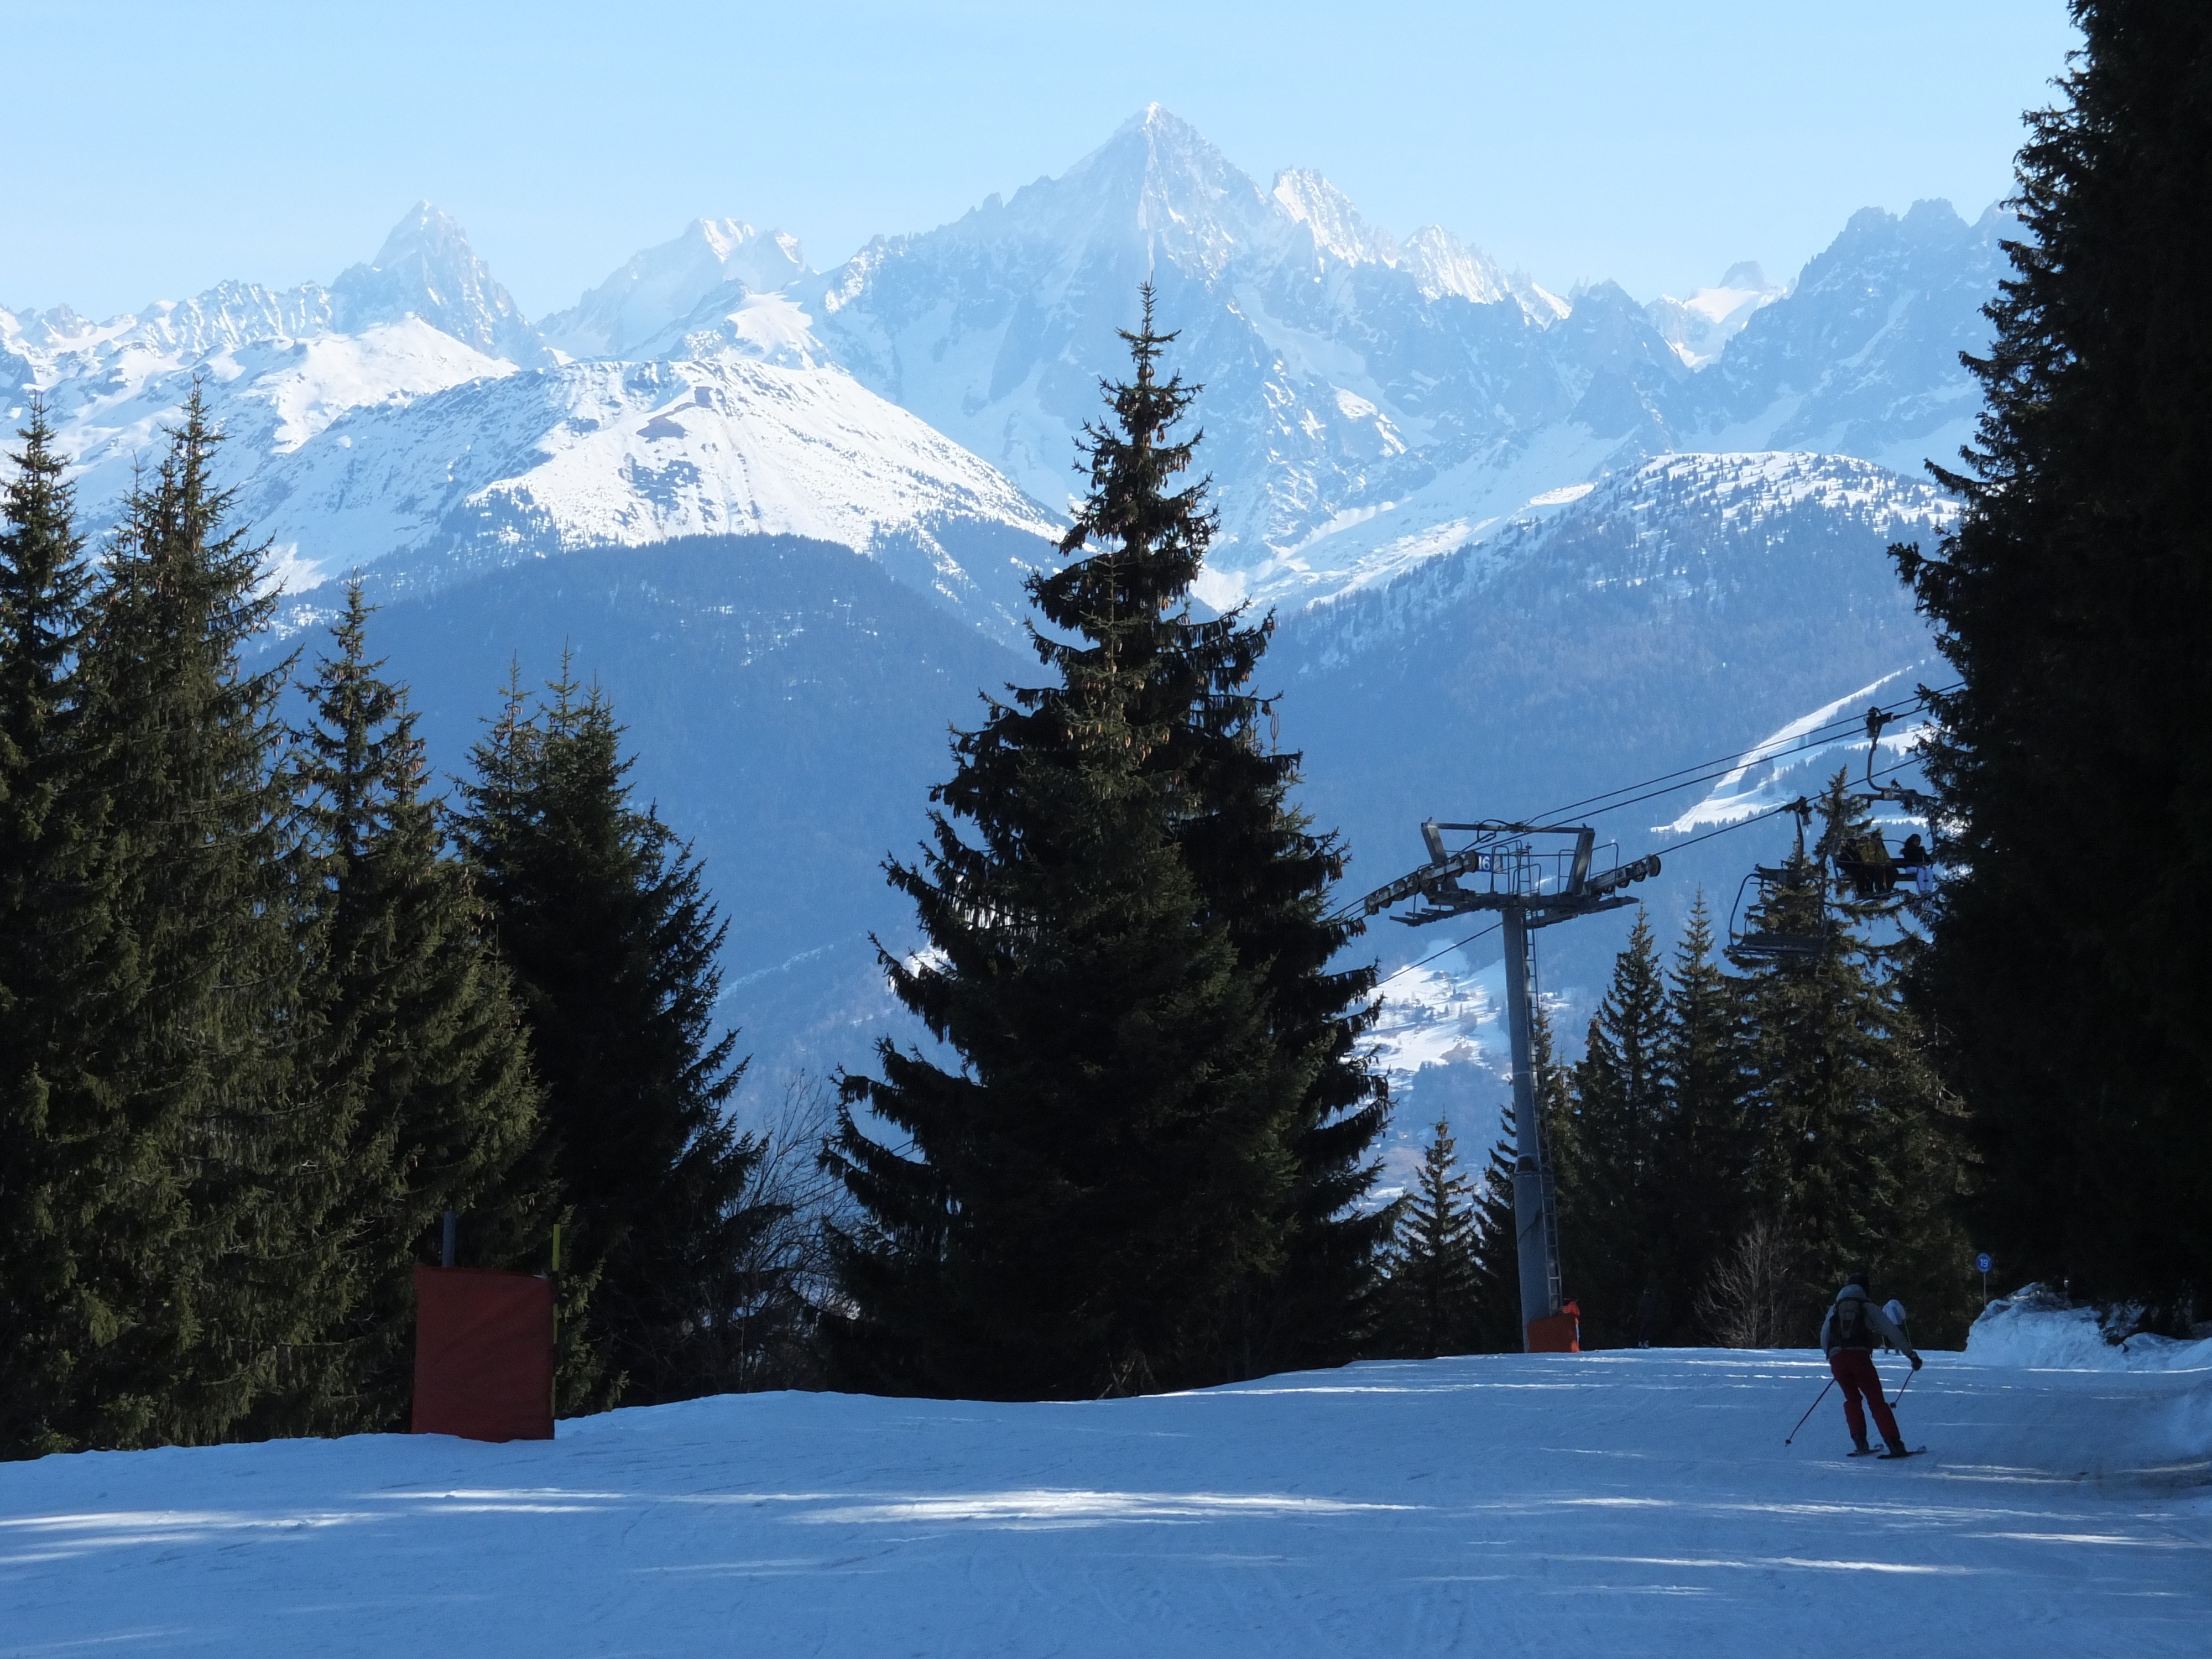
605, 453
1629, 1502
1701, 326
1367, 404
664, 284
408, 419
1862, 357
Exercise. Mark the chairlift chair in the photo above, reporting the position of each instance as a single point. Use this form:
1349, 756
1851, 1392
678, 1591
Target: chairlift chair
1769, 944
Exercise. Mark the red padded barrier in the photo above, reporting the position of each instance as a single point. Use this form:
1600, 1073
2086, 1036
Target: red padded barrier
1562, 1333
484, 1354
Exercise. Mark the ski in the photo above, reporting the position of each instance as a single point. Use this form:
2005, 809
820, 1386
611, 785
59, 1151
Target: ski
1892, 1457
1865, 1452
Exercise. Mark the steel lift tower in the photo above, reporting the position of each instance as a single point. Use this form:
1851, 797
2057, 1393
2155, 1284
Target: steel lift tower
1533, 878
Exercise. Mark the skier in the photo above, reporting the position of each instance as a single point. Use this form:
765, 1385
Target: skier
1848, 1336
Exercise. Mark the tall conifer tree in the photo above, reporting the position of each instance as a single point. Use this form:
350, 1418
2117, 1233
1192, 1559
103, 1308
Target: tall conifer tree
204, 1261
2072, 601
64, 1152
1108, 1194
1430, 1296
1613, 1199
1703, 1162
415, 1063
1261, 869
603, 917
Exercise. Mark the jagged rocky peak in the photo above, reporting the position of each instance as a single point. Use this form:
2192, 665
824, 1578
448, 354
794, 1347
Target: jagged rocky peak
427, 269
1335, 224
1442, 264
666, 283
1159, 178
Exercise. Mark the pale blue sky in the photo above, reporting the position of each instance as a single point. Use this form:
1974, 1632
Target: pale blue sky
149, 150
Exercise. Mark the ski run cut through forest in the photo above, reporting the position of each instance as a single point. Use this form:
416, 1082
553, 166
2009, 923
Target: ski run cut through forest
1625, 1503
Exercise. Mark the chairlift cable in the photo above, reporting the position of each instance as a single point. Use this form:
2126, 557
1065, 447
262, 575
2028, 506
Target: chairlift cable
1706, 770
1758, 753
1446, 952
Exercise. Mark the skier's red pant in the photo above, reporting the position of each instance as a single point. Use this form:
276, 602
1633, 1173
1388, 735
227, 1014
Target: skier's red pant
1854, 1369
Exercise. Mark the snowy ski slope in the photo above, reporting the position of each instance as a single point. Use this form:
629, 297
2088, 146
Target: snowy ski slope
1615, 1504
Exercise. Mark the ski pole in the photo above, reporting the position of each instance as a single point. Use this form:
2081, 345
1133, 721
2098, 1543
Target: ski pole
1810, 1409
1907, 1383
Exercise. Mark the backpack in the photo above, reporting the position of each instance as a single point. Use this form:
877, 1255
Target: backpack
1853, 1328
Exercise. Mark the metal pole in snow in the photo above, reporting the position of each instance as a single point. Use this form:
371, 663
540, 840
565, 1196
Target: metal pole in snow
1532, 1238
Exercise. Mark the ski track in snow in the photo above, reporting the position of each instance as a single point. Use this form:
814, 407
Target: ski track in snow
1622, 1503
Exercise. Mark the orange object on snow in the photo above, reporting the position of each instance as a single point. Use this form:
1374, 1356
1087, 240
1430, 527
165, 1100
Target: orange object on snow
1561, 1333
484, 1354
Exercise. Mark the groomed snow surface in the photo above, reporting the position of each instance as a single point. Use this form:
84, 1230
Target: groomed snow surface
1613, 1503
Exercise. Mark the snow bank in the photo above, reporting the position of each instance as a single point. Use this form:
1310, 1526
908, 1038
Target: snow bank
2034, 1329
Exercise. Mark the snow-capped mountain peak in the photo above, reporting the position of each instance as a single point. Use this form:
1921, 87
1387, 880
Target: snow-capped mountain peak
427, 269
666, 283
1442, 264
1699, 326
1327, 213
1186, 200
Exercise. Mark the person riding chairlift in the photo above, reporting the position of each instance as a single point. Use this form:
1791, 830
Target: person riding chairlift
1881, 872
1913, 865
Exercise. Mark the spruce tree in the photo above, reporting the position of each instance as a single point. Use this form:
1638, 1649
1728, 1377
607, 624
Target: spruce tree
1263, 871
61, 1148
414, 1062
2071, 600
1852, 1157
1095, 1199
1431, 1286
1704, 1160
1613, 1203
1494, 1295
604, 918
200, 1257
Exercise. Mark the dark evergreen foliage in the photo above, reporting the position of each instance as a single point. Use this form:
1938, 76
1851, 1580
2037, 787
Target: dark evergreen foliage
1852, 1151
2074, 602
1260, 869
602, 915
414, 1059
200, 1258
1494, 1323
1706, 1148
1430, 1287
62, 1145
1611, 1178
1142, 1173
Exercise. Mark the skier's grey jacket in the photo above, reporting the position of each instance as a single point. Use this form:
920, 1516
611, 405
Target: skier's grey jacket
1876, 1321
